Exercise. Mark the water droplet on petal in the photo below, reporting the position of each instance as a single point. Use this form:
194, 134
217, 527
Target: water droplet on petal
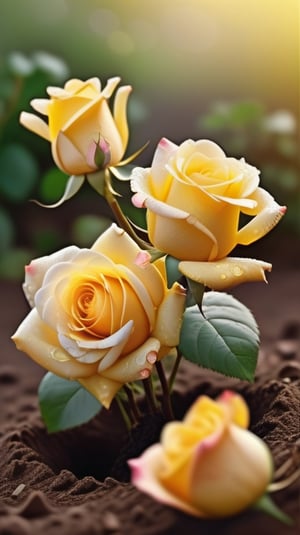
237, 271
223, 276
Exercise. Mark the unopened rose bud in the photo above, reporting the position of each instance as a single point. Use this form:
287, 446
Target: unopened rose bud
209, 465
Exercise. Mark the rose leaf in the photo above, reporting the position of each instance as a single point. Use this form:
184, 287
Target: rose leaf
65, 404
224, 339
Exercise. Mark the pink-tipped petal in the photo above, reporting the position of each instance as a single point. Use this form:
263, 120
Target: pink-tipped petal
143, 259
145, 476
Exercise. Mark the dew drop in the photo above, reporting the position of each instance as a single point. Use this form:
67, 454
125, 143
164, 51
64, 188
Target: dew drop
237, 271
223, 276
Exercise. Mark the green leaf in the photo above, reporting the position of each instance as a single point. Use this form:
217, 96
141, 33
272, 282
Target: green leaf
225, 338
65, 404
266, 504
18, 172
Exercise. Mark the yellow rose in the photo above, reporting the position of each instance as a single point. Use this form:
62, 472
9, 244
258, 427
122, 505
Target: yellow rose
209, 465
195, 195
81, 127
96, 314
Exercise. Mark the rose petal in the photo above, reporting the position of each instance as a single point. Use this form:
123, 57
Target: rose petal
35, 271
35, 124
145, 476
102, 388
129, 367
169, 316
225, 273
40, 342
238, 408
68, 158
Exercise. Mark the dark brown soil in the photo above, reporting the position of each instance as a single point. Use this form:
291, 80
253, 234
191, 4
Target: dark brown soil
66, 483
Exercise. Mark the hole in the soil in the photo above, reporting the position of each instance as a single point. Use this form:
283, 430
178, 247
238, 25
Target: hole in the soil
99, 448
88, 450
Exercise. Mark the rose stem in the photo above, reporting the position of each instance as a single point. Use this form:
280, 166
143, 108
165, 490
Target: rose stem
175, 369
120, 217
152, 405
127, 420
132, 404
167, 406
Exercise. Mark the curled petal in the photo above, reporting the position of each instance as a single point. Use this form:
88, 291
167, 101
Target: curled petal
36, 270
40, 105
111, 85
131, 367
267, 214
35, 124
145, 476
120, 113
239, 411
40, 342
225, 273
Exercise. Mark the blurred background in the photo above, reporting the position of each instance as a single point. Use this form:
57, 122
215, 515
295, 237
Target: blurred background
223, 69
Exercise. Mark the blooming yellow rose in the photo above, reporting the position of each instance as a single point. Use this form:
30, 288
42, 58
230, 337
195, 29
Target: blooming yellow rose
96, 314
194, 197
81, 127
209, 465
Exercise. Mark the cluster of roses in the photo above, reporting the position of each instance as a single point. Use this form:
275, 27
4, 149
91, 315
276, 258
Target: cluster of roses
105, 315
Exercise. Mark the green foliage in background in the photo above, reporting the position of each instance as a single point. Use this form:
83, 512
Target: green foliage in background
23, 158
27, 170
243, 128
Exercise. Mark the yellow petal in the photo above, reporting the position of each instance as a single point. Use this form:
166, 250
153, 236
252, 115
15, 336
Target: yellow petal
225, 273
102, 388
40, 342
36, 270
35, 124
118, 246
237, 406
120, 113
146, 472
136, 365
68, 158
40, 105
267, 214
110, 86
232, 476
169, 316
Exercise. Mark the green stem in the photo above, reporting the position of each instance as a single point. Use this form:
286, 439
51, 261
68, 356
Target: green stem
132, 404
150, 396
119, 215
127, 421
174, 370
167, 405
